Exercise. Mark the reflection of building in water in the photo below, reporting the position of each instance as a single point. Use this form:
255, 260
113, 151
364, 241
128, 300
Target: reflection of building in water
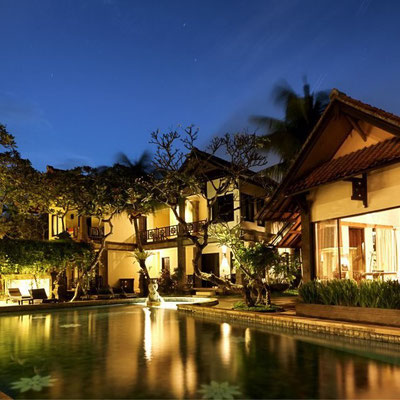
353, 377
169, 348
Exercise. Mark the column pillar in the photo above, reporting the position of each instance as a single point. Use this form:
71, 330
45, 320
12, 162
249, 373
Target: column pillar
180, 245
307, 241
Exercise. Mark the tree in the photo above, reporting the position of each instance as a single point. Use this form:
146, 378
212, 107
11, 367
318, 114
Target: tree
43, 256
286, 136
91, 192
260, 264
181, 170
22, 202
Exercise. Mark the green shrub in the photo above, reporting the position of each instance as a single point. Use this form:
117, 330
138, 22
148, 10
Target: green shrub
346, 292
310, 292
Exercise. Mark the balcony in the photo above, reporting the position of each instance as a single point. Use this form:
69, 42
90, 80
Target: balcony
165, 233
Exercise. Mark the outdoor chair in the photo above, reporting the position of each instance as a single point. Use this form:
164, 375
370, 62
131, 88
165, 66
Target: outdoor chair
14, 294
40, 294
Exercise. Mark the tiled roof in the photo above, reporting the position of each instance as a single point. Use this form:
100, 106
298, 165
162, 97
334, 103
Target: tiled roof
373, 156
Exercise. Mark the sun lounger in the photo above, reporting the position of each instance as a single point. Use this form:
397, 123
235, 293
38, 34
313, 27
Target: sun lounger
40, 294
14, 294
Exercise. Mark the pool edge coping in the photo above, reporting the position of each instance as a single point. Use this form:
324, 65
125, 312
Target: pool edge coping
29, 308
378, 333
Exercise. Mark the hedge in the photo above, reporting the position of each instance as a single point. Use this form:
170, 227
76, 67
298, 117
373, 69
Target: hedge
346, 292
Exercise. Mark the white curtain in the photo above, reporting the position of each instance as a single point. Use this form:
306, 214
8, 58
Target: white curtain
386, 250
327, 250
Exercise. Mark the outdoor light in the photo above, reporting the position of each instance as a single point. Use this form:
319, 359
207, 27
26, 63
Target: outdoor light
224, 249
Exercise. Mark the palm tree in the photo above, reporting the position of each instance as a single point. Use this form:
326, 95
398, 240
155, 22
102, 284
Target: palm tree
286, 136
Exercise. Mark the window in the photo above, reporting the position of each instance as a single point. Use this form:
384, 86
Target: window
57, 225
259, 206
326, 236
247, 207
223, 208
359, 247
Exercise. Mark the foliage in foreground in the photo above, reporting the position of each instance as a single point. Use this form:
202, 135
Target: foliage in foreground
346, 292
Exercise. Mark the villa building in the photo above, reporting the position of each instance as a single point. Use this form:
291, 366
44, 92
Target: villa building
341, 197
161, 237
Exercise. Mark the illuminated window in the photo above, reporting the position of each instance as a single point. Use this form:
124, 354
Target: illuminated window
326, 236
57, 225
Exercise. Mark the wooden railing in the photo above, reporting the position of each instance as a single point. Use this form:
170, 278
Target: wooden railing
169, 232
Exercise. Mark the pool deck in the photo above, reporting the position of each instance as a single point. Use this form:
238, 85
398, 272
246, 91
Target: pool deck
289, 320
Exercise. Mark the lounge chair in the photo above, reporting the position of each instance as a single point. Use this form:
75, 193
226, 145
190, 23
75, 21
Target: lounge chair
14, 294
40, 294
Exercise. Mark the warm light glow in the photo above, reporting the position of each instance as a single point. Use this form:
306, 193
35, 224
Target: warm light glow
345, 261
225, 329
24, 285
224, 249
225, 343
224, 267
147, 334
247, 339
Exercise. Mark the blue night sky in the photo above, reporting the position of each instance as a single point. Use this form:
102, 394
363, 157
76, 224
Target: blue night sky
81, 80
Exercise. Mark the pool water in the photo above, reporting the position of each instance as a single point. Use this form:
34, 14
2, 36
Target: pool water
136, 352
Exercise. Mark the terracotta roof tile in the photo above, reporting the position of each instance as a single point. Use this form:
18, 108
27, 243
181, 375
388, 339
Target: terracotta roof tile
373, 156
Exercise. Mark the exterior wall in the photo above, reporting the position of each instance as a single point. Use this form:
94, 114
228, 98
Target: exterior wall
155, 262
159, 219
334, 200
123, 231
121, 264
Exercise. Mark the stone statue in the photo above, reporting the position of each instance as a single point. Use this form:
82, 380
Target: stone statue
154, 298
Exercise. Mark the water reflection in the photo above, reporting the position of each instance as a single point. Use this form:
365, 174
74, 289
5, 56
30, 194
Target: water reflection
134, 352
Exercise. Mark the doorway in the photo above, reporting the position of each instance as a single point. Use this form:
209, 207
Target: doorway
210, 264
165, 264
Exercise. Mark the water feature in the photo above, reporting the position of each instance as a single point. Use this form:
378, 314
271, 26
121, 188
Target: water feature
130, 351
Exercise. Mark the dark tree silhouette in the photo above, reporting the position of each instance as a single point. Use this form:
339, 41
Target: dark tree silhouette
285, 136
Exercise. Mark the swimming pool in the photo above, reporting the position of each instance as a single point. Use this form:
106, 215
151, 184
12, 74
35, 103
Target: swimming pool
135, 352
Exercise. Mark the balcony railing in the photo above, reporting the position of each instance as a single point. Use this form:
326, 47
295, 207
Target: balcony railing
169, 232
